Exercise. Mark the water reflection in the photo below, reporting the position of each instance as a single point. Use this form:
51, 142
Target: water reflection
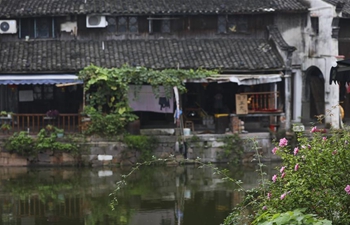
158, 195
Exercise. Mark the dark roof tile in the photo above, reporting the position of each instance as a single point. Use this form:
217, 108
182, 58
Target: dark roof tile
343, 5
56, 56
277, 38
27, 8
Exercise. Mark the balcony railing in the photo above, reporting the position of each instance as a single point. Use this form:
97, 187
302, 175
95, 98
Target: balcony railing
35, 122
263, 101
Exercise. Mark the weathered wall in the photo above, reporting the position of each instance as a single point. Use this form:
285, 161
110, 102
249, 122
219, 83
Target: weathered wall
313, 49
207, 147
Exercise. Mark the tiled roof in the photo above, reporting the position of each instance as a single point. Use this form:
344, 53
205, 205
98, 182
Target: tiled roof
14, 8
344, 5
64, 56
346, 8
277, 37
334, 2
23, 8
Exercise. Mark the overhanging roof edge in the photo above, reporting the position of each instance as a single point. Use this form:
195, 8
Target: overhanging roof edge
8, 79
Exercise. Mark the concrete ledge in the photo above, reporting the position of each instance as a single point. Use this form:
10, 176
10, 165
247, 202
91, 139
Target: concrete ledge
169, 131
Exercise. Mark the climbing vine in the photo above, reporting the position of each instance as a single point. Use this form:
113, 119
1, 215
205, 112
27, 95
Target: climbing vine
143, 144
107, 89
233, 149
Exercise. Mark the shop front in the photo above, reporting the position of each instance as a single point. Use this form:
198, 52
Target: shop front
234, 103
33, 101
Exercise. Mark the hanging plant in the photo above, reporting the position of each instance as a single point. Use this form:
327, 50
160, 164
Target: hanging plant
107, 89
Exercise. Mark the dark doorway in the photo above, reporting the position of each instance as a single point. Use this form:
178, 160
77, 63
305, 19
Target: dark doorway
313, 104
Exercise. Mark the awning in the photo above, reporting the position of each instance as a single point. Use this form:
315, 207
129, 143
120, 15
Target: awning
11, 79
240, 79
341, 72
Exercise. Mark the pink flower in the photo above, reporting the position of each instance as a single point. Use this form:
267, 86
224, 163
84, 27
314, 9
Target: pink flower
274, 150
264, 207
283, 175
296, 150
324, 138
334, 152
347, 189
283, 142
296, 167
314, 129
269, 195
303, 146
274, 178
309, 146
283, 196
282, 169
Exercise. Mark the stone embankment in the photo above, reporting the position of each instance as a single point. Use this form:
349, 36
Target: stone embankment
101, 152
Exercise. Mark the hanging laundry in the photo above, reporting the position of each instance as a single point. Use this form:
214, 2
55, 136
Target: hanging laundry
146, 100
163, 102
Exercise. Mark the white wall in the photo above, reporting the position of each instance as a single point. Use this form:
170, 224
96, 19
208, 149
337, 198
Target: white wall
313, 50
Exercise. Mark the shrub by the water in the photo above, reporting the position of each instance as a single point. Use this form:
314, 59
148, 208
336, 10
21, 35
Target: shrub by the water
312, 181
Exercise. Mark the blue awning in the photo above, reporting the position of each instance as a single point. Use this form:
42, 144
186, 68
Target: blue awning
11, 79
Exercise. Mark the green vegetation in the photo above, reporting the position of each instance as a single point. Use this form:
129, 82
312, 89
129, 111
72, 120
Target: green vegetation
5, 114
311, 187
46, 140
296, 217
143, 144
20, 143
107, 93
232, 149
5, 127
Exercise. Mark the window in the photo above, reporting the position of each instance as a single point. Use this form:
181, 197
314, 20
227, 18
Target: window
160, 25
315, 25
37, 28
233, 24
127, 24
43, 92
222, 24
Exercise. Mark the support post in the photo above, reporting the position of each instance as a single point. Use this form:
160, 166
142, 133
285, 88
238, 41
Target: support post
287, 87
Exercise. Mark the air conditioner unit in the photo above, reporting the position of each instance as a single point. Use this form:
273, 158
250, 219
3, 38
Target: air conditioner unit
8, 26
96, 21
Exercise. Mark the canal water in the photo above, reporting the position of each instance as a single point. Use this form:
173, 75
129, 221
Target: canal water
153, 195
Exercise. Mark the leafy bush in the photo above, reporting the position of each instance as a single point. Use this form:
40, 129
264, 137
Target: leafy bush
47, 140
314, 176
108, 124
144, 144
23, 144
296, 217
20, 143
232, 149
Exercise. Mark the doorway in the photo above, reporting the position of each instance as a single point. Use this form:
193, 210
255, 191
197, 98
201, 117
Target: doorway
313, 100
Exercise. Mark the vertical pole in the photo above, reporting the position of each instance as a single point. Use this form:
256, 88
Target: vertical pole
287, 85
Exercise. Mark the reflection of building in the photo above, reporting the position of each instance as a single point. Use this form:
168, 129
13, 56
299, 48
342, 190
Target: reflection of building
32, 209
154, 195
156, 217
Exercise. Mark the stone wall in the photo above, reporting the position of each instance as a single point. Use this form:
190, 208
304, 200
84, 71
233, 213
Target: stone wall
100, 152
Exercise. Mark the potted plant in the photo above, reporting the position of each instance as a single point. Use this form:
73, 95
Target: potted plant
52, 113
5, 128
49, 128
59, 132
3, 114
